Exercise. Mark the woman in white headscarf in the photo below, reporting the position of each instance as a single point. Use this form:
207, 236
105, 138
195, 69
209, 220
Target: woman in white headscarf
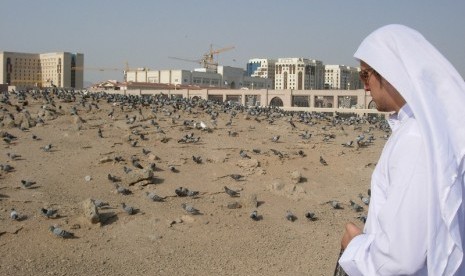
416, 221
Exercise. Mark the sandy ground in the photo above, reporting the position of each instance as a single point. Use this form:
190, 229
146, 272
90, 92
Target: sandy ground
162, 238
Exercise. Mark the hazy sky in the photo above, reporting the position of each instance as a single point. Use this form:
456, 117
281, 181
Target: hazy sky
145, 33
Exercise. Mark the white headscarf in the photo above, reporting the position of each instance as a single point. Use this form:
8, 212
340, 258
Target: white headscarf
436, 94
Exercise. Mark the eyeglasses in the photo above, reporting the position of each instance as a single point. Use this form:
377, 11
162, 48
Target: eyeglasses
365, 74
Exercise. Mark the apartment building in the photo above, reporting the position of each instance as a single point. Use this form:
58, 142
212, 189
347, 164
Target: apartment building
341, 77
299, 74
262, 68
60, 69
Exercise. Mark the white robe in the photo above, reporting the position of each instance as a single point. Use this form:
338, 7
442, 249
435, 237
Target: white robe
393, 242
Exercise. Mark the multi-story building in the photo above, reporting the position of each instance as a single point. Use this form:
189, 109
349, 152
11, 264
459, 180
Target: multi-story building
299, 74
262, 68
61, 69
342, 77
224, 77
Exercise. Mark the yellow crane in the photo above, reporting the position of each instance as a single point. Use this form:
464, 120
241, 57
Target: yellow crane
208, 59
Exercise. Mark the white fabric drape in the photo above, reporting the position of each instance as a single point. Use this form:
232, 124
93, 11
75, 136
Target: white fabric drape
436, 94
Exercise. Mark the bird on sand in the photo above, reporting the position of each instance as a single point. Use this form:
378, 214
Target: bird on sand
323, 161
190, 209
230, 192
60, 232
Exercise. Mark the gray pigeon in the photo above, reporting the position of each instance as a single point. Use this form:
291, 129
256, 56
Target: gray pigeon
190, 209
49, 213
230, 192
364, 199
335, 204
154, 197
47, 148
323, 161
310, 216
236, 177
13, 156
27, 183
60, 232
290, 216
128, 209
99, 203
243, 154
254, 215
355, 206
121, 189
275, 138
14, 215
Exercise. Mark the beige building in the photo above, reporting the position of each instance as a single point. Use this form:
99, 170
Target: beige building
342, 77
224, 77
299, 74
60, 69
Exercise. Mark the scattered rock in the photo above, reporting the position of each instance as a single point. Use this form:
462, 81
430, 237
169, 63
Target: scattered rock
90, 211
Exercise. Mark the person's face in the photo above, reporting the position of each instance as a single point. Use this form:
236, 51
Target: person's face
385, 96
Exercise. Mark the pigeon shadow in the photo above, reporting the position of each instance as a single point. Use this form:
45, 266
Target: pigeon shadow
303, 179
260, 203
108, 218
156, 180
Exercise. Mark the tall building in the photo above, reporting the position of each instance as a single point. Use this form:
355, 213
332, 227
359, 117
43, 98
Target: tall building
299, 74
342, 77
262, 68
60, 69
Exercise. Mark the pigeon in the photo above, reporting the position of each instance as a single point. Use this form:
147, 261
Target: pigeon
348, 144
113, 178
99, 203
154, 197
181, 192
27, 183
254, 215
122, 190
190, 209
278, 153
306, 135
275, 138
362, 218
335, 204
126, 169
173, 168
243, 154
136, 164
364, 199
49, 213
128, 209
145, 151
292, 124
100, 133
192, 193
197, 159
13, 156
60, 232
14, 215
6, 168
230, 192
47, 148
236, 177
290, 216
310, 216
322, 161
355, 206
301, 153
35, 137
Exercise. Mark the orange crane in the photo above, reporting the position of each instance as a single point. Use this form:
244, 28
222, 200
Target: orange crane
208, 59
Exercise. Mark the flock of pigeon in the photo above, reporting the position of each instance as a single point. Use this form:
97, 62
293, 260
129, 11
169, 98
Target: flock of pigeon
14, 103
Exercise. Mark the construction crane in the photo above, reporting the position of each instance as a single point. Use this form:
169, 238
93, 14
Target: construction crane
208, 59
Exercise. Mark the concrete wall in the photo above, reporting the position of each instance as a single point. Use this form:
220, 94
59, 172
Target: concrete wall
264, 97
